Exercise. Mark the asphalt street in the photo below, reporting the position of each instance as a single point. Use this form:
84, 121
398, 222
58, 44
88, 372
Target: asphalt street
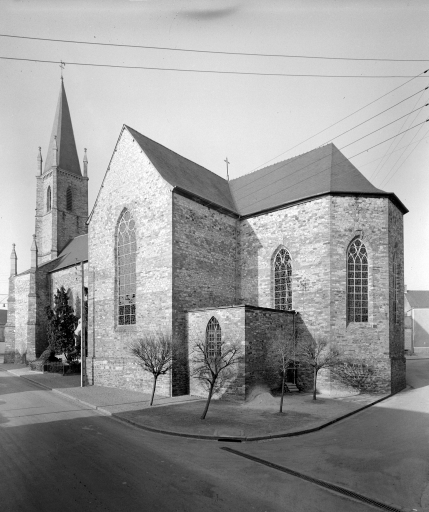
57, 455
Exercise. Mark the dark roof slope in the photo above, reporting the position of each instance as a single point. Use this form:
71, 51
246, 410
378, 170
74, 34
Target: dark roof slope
68, 159
320, 171
73, 253
185, 174
418, 298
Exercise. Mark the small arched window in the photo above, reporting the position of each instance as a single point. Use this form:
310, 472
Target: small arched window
69, 199
213, 338
357, 282
283, 280
48, 199
126, 249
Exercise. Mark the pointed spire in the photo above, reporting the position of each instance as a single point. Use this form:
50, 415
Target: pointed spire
34, 253
85, 164
13, 262
39, 162
67, 158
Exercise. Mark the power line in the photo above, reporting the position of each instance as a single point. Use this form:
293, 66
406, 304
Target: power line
342, 119
210, 71
213, 52
373, 117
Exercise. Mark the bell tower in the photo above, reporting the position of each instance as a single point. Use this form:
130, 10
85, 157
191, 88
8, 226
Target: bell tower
62, 190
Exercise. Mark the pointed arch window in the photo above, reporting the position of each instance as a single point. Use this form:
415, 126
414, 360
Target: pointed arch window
126, 248
283, 280
69, 199
213, 338
48, 199
357, 282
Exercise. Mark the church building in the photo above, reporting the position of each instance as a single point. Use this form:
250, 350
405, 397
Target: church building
306, 246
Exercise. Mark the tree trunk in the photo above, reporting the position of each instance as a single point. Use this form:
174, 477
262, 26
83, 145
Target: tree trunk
283, 390
314, 383
153, 389
206, 408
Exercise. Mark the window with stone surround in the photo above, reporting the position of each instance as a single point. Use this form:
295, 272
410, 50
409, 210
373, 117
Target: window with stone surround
357, 282
126, 248
283, 280
213, 338
69, 197
48, 199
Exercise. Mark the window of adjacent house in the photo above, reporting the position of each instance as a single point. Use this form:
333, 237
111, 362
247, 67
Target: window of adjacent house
357, 282
213, 338
69, 197
395, 289
48, 199
283, 280
126, 248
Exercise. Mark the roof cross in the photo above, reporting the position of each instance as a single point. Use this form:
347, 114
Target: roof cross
62, 66
227, 163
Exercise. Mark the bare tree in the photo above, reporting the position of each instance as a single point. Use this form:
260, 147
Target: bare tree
359, 373
318, 353
212, 365
154, 353
280, 352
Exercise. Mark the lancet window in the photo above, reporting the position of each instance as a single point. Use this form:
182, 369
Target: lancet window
213, 338
283, 280
126, 248
357, 282
48, 200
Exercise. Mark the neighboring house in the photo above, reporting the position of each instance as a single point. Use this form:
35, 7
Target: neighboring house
3, 319
416, 307
307, 244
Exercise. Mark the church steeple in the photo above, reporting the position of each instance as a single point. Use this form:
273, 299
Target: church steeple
67, 158
62, 190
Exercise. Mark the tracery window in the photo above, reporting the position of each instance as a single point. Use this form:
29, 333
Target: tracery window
126, 248
357, 282
213, 338
283, 280
69, 197
48, 199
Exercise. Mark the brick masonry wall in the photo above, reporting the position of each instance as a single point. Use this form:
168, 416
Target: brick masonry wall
18, 352
132, 183
204, 267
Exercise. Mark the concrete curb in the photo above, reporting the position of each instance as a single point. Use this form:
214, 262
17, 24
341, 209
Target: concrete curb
237, 439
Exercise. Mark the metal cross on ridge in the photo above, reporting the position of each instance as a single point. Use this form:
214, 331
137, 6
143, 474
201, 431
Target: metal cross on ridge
227, 163
62, 66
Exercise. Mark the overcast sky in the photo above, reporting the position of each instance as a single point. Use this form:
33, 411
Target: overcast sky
206, 117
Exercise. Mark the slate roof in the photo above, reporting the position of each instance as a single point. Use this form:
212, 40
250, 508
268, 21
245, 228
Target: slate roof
185, 174
74, 252
418, 298
324, 170
68, 159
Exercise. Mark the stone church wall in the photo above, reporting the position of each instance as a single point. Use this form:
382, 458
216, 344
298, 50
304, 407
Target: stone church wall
71, 279
204, 268
303, 229
18, 352
131, 183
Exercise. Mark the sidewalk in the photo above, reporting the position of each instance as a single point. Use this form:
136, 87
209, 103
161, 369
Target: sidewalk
255, 420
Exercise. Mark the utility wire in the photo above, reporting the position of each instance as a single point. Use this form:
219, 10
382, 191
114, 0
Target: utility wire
211, 71
373, 117
408, 156
337, 122
213, 52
